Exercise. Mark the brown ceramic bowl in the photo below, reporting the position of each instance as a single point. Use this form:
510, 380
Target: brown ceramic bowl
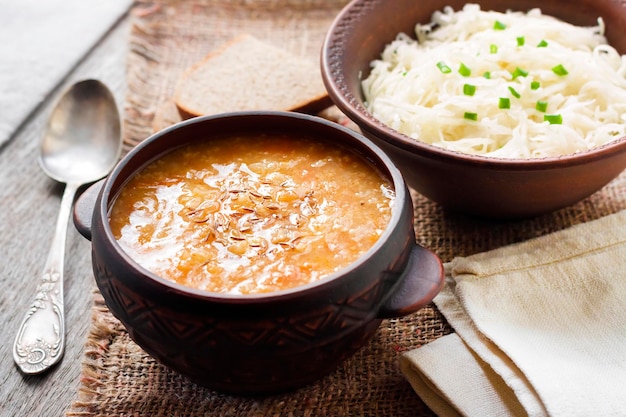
259, 343
476, 185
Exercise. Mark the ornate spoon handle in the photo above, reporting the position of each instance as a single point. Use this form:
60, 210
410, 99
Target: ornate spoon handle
40, 339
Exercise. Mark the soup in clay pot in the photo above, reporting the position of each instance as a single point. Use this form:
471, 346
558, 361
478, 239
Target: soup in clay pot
252, 214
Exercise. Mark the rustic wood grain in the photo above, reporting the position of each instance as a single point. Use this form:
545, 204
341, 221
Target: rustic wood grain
29, 204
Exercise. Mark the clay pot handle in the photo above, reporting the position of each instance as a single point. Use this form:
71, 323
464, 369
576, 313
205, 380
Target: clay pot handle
421, 282
84, 207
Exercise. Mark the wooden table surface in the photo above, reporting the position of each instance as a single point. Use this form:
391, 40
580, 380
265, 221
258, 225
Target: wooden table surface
29, 204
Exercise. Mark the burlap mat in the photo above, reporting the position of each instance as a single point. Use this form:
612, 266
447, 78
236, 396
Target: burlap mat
119, 379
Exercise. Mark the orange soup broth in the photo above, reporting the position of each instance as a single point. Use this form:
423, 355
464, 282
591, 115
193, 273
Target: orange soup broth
247, 215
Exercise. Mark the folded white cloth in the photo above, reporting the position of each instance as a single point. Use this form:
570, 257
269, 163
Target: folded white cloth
540, 329
40, 43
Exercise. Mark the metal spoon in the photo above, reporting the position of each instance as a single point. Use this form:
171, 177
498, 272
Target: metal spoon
82, 143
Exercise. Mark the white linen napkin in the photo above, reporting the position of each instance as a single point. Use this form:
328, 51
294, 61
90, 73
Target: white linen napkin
41, 41
540, 329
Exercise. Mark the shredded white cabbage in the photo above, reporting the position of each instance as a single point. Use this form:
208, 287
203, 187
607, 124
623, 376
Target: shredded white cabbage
566, 87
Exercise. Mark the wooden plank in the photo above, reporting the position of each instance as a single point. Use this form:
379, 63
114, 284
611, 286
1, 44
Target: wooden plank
29, 203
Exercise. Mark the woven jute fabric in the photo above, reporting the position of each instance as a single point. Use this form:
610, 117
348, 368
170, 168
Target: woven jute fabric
119, 379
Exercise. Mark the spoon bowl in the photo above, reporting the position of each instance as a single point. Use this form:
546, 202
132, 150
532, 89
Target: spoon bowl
81, 144
78, 144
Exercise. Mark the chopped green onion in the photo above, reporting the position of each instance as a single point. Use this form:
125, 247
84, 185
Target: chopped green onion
504, 103
560, 70
535, 85
470, 116
521, 41
404, 74
493, 48
443, 67
469, 89
542, 44
514, 92
542, 106
519, 73
464, 70
487, 75
553, 119
499, 25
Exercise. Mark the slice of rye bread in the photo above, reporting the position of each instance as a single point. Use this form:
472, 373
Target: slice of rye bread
248, 74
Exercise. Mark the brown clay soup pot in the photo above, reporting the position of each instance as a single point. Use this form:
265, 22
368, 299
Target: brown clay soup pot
259, 344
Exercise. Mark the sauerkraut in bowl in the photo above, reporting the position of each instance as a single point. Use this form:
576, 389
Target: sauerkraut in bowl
509, 84
485, 115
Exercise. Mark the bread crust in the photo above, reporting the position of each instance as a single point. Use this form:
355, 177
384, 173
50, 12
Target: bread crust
248, 74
